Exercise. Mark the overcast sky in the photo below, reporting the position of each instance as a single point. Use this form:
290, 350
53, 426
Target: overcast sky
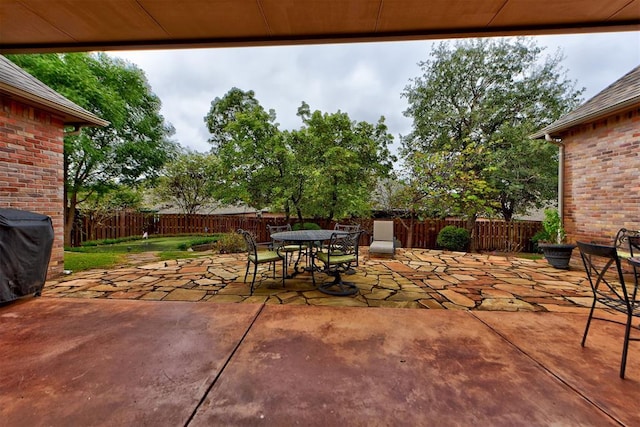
364, 80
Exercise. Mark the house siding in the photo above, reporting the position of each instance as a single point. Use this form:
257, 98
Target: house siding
32, 167
602, 177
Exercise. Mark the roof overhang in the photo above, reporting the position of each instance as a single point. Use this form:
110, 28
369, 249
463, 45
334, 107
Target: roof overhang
557, 129
76, 117
81, 25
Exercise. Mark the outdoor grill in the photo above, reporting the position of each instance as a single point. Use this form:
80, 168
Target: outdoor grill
26, 239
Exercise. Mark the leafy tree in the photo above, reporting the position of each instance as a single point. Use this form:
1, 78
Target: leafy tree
133, 147
190, 181
343, 161
472, 110
254, 159
328, 168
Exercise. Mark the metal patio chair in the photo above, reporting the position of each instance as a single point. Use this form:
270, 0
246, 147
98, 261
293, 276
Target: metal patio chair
340, 258
257, 257
283, 247
609, 288
624, 242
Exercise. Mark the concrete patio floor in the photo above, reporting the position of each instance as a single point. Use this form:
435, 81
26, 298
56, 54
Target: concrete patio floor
115, 348
91, 362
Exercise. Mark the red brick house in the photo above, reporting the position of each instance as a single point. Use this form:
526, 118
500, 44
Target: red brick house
599, 172
33, 118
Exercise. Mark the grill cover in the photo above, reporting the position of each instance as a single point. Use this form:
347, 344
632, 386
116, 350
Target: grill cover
26, 239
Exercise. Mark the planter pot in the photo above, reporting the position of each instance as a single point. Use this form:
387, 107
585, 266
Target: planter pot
557, 254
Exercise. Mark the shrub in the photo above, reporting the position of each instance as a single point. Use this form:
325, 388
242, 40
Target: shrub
197, 242
453, 238
231, 243
306, 226
540, 236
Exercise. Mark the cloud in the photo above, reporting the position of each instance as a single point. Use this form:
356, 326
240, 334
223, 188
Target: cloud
364, 80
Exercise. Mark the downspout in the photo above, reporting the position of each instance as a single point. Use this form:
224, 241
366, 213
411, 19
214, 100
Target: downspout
558, 142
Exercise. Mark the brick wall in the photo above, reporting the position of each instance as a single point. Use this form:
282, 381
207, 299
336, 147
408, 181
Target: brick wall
602, 177
31, 167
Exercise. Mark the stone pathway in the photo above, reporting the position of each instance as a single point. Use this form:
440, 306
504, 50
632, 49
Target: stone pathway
416, 278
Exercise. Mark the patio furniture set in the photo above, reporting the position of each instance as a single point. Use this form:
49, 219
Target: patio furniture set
332, 252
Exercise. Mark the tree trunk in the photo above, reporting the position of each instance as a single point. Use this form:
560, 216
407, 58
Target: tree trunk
69, 216
471, 227
409, 229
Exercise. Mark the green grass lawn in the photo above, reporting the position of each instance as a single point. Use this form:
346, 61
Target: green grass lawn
78, 261
111, 255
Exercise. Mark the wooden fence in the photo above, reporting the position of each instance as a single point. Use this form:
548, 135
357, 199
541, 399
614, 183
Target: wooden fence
489, 234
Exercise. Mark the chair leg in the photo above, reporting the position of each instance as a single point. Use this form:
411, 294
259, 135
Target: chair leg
586, 329
625, 347
246, 272
255, 273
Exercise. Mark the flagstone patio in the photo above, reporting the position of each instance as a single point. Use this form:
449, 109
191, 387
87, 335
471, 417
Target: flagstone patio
416, 278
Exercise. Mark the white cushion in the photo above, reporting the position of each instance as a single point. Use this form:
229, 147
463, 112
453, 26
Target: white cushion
381, 247
383, 230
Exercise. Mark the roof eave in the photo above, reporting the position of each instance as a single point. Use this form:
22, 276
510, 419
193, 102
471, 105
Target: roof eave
72, 116
554, 130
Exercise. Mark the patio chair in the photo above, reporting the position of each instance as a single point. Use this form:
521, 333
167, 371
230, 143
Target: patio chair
383, 242
282, 247
256, 257
609, 289
346, 227
349, 228
624, 242
341, 257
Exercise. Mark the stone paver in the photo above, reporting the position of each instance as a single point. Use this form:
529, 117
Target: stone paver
416, 278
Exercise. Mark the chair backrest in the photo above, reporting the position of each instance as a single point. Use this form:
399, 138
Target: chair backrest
250, 241
345, 244
346, 227
607, 285
278, 228
634, 245
624, 241
383, 230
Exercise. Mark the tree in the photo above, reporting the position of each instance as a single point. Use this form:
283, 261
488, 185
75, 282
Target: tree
190, 181
327, 169
134, 146
472, 110
254, 158
343, 161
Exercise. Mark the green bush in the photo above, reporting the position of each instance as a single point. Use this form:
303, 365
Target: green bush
230, 243
453, 238
540, 236
197, 242
306, 226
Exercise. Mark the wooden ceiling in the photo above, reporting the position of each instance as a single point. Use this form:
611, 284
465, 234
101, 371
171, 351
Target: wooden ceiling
82, 25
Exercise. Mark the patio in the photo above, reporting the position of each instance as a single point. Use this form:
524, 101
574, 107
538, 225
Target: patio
416, 278
87, 353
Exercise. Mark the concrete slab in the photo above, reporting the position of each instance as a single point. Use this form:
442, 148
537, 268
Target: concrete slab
592, 371
351, 366
70, 362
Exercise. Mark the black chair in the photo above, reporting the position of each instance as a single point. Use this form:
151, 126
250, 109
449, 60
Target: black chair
283, 247
609, 288
350, 228
340, 258
624, 242
256, 257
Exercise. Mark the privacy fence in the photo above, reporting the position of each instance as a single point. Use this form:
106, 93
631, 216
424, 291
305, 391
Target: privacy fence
489, 235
